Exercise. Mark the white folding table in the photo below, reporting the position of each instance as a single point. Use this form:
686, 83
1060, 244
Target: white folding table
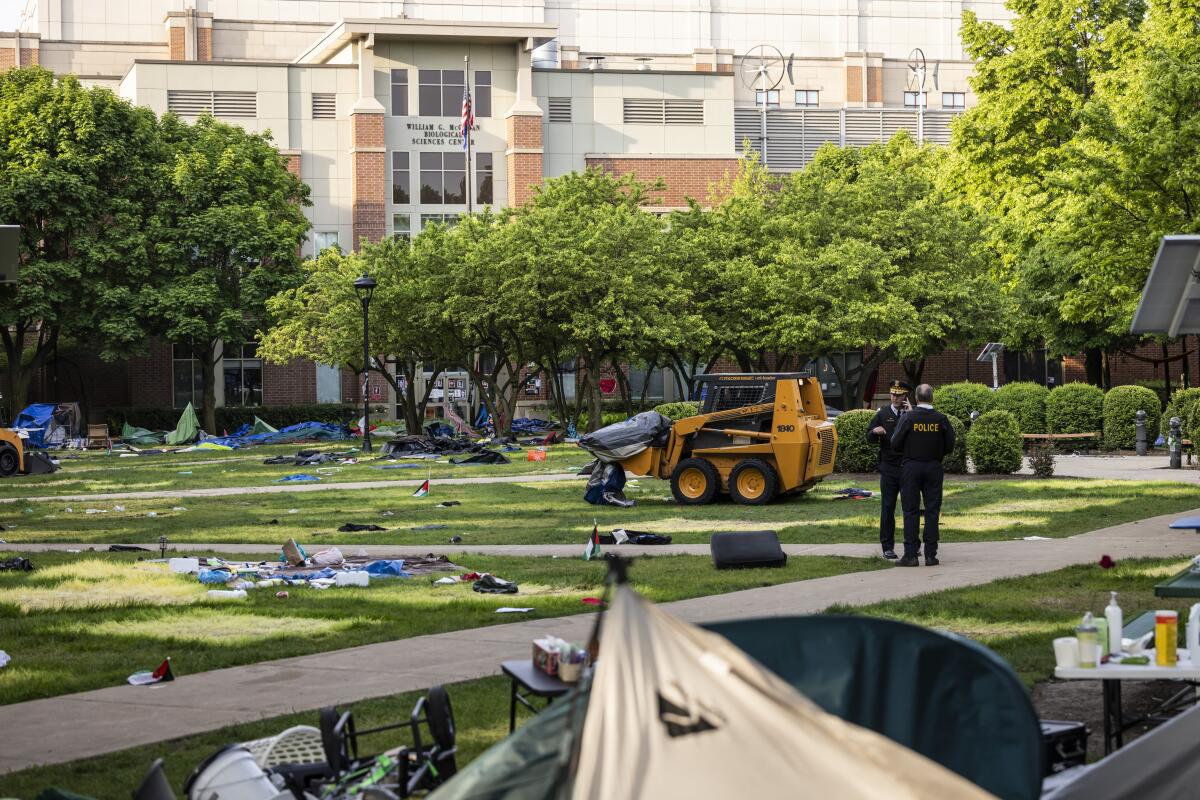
1110, 677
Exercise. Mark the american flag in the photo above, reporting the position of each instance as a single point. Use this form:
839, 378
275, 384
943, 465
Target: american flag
468, 116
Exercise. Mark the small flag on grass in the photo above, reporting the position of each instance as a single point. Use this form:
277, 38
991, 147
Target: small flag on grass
422, 490
593, 545
160, 675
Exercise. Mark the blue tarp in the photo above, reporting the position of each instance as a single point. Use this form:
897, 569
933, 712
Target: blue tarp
387, 568
35, 419
298, 478
301, 431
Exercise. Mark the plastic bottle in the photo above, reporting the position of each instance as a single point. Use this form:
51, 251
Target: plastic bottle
1115, 618
1089, 642
1166, 638
1193, 635
231, 594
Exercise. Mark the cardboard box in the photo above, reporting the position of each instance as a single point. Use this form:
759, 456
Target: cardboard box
545, 656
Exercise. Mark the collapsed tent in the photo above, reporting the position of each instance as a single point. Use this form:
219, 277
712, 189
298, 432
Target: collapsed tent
139, 436
676, 711
49, 424
186, 430
300, 432
624, 439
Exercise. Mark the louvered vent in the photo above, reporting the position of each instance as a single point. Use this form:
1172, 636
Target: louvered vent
189, 104
560, 109
828, 446
643, 111
684, 112
235, 104
324, 106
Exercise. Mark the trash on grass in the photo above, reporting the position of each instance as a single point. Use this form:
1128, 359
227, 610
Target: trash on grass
4, 659
508, 610
227, 594
354, 527
490, 584
160, 675
17, 564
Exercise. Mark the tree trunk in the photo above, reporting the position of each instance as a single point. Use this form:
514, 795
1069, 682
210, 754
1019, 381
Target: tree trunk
1107, 372
208, 363
651, 365
595, 396
1166, 372
913, 371
20, 374
623, 384
1093, 364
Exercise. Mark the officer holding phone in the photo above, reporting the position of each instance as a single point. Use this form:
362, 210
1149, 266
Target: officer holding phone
880, 431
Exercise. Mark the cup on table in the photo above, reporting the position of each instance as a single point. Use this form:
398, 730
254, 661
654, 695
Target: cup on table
1066, 652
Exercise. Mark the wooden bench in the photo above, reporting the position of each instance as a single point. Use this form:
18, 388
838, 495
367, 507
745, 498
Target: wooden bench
1054, 437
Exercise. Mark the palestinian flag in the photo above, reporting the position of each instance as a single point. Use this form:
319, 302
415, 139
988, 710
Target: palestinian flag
592, 550
160, 675
422, 490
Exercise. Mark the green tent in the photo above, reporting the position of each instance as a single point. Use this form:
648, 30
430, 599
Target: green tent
261, 427
139, 436
186, 429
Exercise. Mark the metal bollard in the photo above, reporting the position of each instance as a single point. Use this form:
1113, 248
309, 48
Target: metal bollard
971, 421
1141, 432
1175, 444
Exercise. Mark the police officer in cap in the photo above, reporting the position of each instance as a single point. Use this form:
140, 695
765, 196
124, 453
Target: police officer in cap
880, 431
923, 437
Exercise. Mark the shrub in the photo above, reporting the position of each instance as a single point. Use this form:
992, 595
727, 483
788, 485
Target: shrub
606, 418
1075, 408
1121, 405
1026, 401
955, 461
1041, 460
1181, 405
230, 418
960, 399
994, 444
855, 453
678, 410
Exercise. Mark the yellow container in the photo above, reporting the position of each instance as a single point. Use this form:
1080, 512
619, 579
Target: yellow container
1166, 638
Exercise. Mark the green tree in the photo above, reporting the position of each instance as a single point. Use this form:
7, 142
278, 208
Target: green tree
234, 224
78, 173
1034, 79
875, 256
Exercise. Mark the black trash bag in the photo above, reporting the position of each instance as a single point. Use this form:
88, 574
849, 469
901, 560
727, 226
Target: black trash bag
628, 438
483, 457
490, 584
354, 527
17, 564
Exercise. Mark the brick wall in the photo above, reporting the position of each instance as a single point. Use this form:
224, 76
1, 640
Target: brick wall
30, 56
293, 163
523, 138
289, 384
176, 44
149, 377
369, 179
854, 84
7, 56
204, 44
684, 177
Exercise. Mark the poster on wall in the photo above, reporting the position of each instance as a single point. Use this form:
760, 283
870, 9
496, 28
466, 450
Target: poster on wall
608, 385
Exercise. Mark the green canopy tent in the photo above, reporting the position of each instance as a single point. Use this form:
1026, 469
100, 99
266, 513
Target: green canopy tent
186, 429
139, 436
260, 426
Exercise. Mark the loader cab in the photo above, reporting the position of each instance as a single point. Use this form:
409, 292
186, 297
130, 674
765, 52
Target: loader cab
737, 390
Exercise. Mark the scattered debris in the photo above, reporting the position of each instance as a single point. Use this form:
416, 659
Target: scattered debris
490, 584
127, 548
17, 564
299, 477
4, 659
508, 610
448, 504
428, 528
354, 527
455, 540
281, 595
160, 675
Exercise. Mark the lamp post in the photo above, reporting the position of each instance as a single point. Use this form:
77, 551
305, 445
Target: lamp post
364, 287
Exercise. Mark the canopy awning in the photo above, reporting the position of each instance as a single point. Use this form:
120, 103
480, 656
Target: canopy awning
1170, 302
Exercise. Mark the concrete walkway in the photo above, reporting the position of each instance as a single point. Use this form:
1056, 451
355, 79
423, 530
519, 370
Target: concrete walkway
287, 488
74, 726
1123, 468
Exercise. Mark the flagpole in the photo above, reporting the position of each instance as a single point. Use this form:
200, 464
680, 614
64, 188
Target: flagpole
466, 129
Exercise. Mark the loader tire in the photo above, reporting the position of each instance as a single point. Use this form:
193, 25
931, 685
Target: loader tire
753, 482
695, 482
10, 462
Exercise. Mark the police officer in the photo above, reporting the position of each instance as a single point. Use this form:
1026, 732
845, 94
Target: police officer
923, 437
880, 431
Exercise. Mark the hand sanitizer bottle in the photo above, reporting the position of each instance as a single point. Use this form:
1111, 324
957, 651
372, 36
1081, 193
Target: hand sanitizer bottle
1193, 635
1113, 614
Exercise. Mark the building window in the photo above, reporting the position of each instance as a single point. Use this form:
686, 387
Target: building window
483, 178
560, 109
482, 96
402, 226
915, 99
323, 240
808, 98
399, 93
440, 92
449, 220
954, 99
400, 179
187, 377
324, 105
771, 95
443, 178
243, 375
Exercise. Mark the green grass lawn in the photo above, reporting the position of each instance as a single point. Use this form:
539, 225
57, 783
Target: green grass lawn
1016, 617
88, 621
101, 472
554, 512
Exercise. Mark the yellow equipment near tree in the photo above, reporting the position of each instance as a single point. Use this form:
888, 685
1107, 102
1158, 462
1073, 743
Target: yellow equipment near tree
14, 458
757, 436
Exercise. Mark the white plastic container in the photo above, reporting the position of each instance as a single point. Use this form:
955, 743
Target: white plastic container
184, 565
233, 775
1115, 618
1193, 634
227, 594
357, 578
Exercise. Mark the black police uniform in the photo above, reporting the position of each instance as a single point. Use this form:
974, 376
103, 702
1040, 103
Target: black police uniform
924, 437
889, 472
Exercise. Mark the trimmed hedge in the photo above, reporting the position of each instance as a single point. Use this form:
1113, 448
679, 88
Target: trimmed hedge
1075, 408
1121, 405
994, 444
230, 418
960, 399
955, 461
678, 410
1183, 401
1026, 401
854, 452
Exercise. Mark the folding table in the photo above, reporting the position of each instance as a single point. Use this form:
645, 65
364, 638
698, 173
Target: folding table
524, 675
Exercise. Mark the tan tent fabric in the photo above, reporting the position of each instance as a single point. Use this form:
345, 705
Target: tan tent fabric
740, 732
